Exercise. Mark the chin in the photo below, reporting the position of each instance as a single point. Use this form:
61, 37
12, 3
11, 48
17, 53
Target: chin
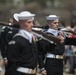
56, 28
30, 30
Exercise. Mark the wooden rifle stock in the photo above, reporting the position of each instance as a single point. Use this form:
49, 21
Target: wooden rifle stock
49, 37
4, 24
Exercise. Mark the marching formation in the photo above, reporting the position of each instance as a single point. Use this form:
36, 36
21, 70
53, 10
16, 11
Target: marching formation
26, 47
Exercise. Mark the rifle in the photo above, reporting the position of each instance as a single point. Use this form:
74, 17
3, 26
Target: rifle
47, 37
5, 24
38, 33
40, 27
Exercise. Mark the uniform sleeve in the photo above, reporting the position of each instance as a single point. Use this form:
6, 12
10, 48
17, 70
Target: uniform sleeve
4, 41
41, 53
70, 41
13, 51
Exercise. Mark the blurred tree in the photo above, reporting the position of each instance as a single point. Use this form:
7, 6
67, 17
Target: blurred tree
2, 1
5, 1
42, 2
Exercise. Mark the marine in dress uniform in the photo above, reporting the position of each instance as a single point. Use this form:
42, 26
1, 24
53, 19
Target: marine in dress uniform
22, 51
50, 53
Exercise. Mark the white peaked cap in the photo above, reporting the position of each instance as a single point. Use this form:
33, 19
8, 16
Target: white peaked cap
52, 17
25, 15
15, 16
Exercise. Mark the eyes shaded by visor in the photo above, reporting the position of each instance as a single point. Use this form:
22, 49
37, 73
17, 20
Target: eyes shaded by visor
55, 22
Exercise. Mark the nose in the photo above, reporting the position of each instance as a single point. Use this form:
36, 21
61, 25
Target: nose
57, 23
32, 24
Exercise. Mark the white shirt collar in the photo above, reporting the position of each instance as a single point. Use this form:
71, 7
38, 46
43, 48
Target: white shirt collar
25, 34
54, 32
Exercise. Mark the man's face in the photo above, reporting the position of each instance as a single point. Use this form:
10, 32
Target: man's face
54, 24
27, 24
